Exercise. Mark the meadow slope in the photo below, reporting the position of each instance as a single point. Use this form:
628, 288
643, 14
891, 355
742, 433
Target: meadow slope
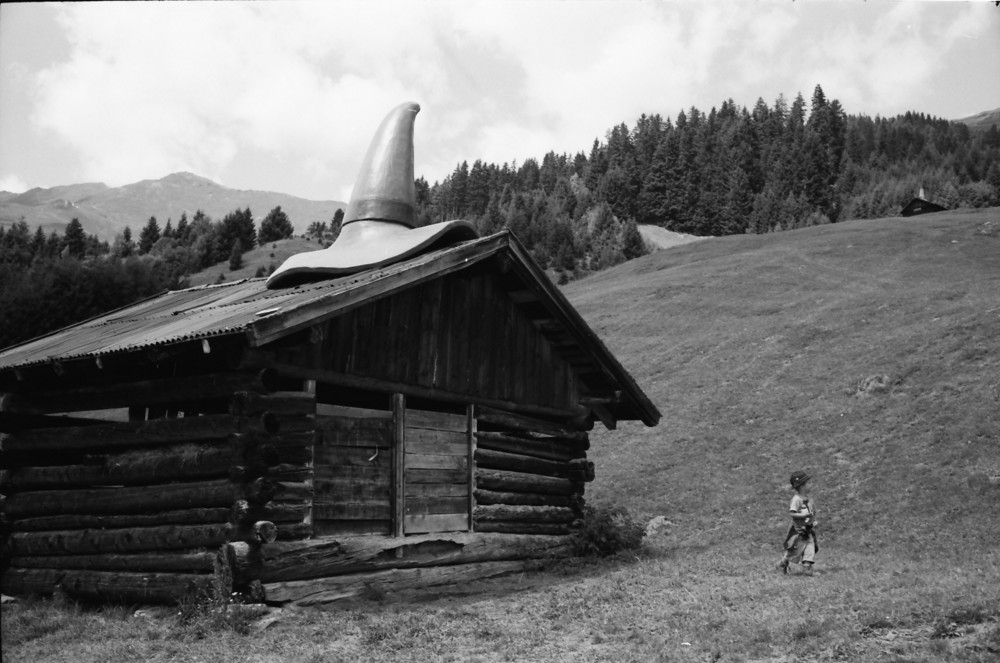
866, 352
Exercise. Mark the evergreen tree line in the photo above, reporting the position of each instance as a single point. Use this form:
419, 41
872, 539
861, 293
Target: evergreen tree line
50, 281
729, 171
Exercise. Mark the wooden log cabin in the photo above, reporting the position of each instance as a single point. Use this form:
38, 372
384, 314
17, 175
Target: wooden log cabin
423, 421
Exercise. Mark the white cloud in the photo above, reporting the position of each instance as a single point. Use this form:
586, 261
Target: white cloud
287, 95
13, 184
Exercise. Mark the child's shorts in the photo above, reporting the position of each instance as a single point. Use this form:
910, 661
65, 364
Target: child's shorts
801, 548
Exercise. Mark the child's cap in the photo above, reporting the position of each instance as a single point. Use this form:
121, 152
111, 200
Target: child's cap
799, 479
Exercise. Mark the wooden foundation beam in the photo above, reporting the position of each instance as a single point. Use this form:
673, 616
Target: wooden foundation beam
125, 587
318, 558
185, 562
328, 590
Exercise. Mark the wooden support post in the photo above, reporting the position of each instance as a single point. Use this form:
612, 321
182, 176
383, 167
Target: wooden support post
398, 457
471, 427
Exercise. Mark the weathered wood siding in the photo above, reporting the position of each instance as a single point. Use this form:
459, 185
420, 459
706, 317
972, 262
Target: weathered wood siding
353, 471
436, 472
152, 510
530, 474
461, 334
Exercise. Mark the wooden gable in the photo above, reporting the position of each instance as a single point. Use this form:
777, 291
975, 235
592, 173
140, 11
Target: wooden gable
460, 335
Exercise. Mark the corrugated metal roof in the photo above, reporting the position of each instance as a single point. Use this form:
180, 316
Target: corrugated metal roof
248, 307
196, 313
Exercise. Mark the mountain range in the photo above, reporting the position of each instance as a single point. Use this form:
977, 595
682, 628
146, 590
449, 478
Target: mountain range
106, 211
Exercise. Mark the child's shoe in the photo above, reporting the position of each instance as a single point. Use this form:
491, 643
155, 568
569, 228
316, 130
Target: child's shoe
783, 566
807, 569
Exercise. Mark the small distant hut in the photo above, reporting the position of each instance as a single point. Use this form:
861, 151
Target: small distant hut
920, 205
408, 407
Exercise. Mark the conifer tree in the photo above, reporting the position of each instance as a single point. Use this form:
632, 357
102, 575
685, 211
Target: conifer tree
149, 235
275, 226
75, 240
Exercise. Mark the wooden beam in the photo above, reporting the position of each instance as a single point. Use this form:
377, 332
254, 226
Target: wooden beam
521, 527
326, 557
500, 460
328, 590
122, 587
398, 463
13, 422
414, 391
124, 540
201, 562
144, 392
485, 497
77, 521
525, 513
149, 467
604, 415
546, 449
136, 499
471, 427
529, 424
521, 482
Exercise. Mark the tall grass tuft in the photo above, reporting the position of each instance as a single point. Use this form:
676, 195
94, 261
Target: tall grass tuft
606, 531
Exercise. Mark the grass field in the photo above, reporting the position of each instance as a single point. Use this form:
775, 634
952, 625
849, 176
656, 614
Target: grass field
865, 352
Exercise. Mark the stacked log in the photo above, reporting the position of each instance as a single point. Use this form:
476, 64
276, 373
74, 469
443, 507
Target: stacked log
530, 474
126, 511
325, 570
273, 473
151, 511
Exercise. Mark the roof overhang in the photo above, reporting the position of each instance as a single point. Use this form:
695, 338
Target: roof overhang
262, 316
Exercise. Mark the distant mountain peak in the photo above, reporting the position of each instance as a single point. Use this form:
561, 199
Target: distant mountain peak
186, 177
106, 211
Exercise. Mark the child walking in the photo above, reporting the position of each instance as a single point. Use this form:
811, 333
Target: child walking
800, 541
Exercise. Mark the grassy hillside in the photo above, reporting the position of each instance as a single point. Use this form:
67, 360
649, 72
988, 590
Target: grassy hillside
768, 353
765, 354
273, 253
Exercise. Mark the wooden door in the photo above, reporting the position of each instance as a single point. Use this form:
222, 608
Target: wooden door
353, 470
436, 472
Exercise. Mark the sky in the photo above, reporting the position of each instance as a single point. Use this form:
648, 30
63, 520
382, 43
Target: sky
285, 96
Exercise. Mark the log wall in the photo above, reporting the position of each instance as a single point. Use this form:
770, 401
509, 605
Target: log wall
151, 511
530, 474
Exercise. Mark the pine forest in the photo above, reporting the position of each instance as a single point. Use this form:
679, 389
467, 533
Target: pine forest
730, 171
